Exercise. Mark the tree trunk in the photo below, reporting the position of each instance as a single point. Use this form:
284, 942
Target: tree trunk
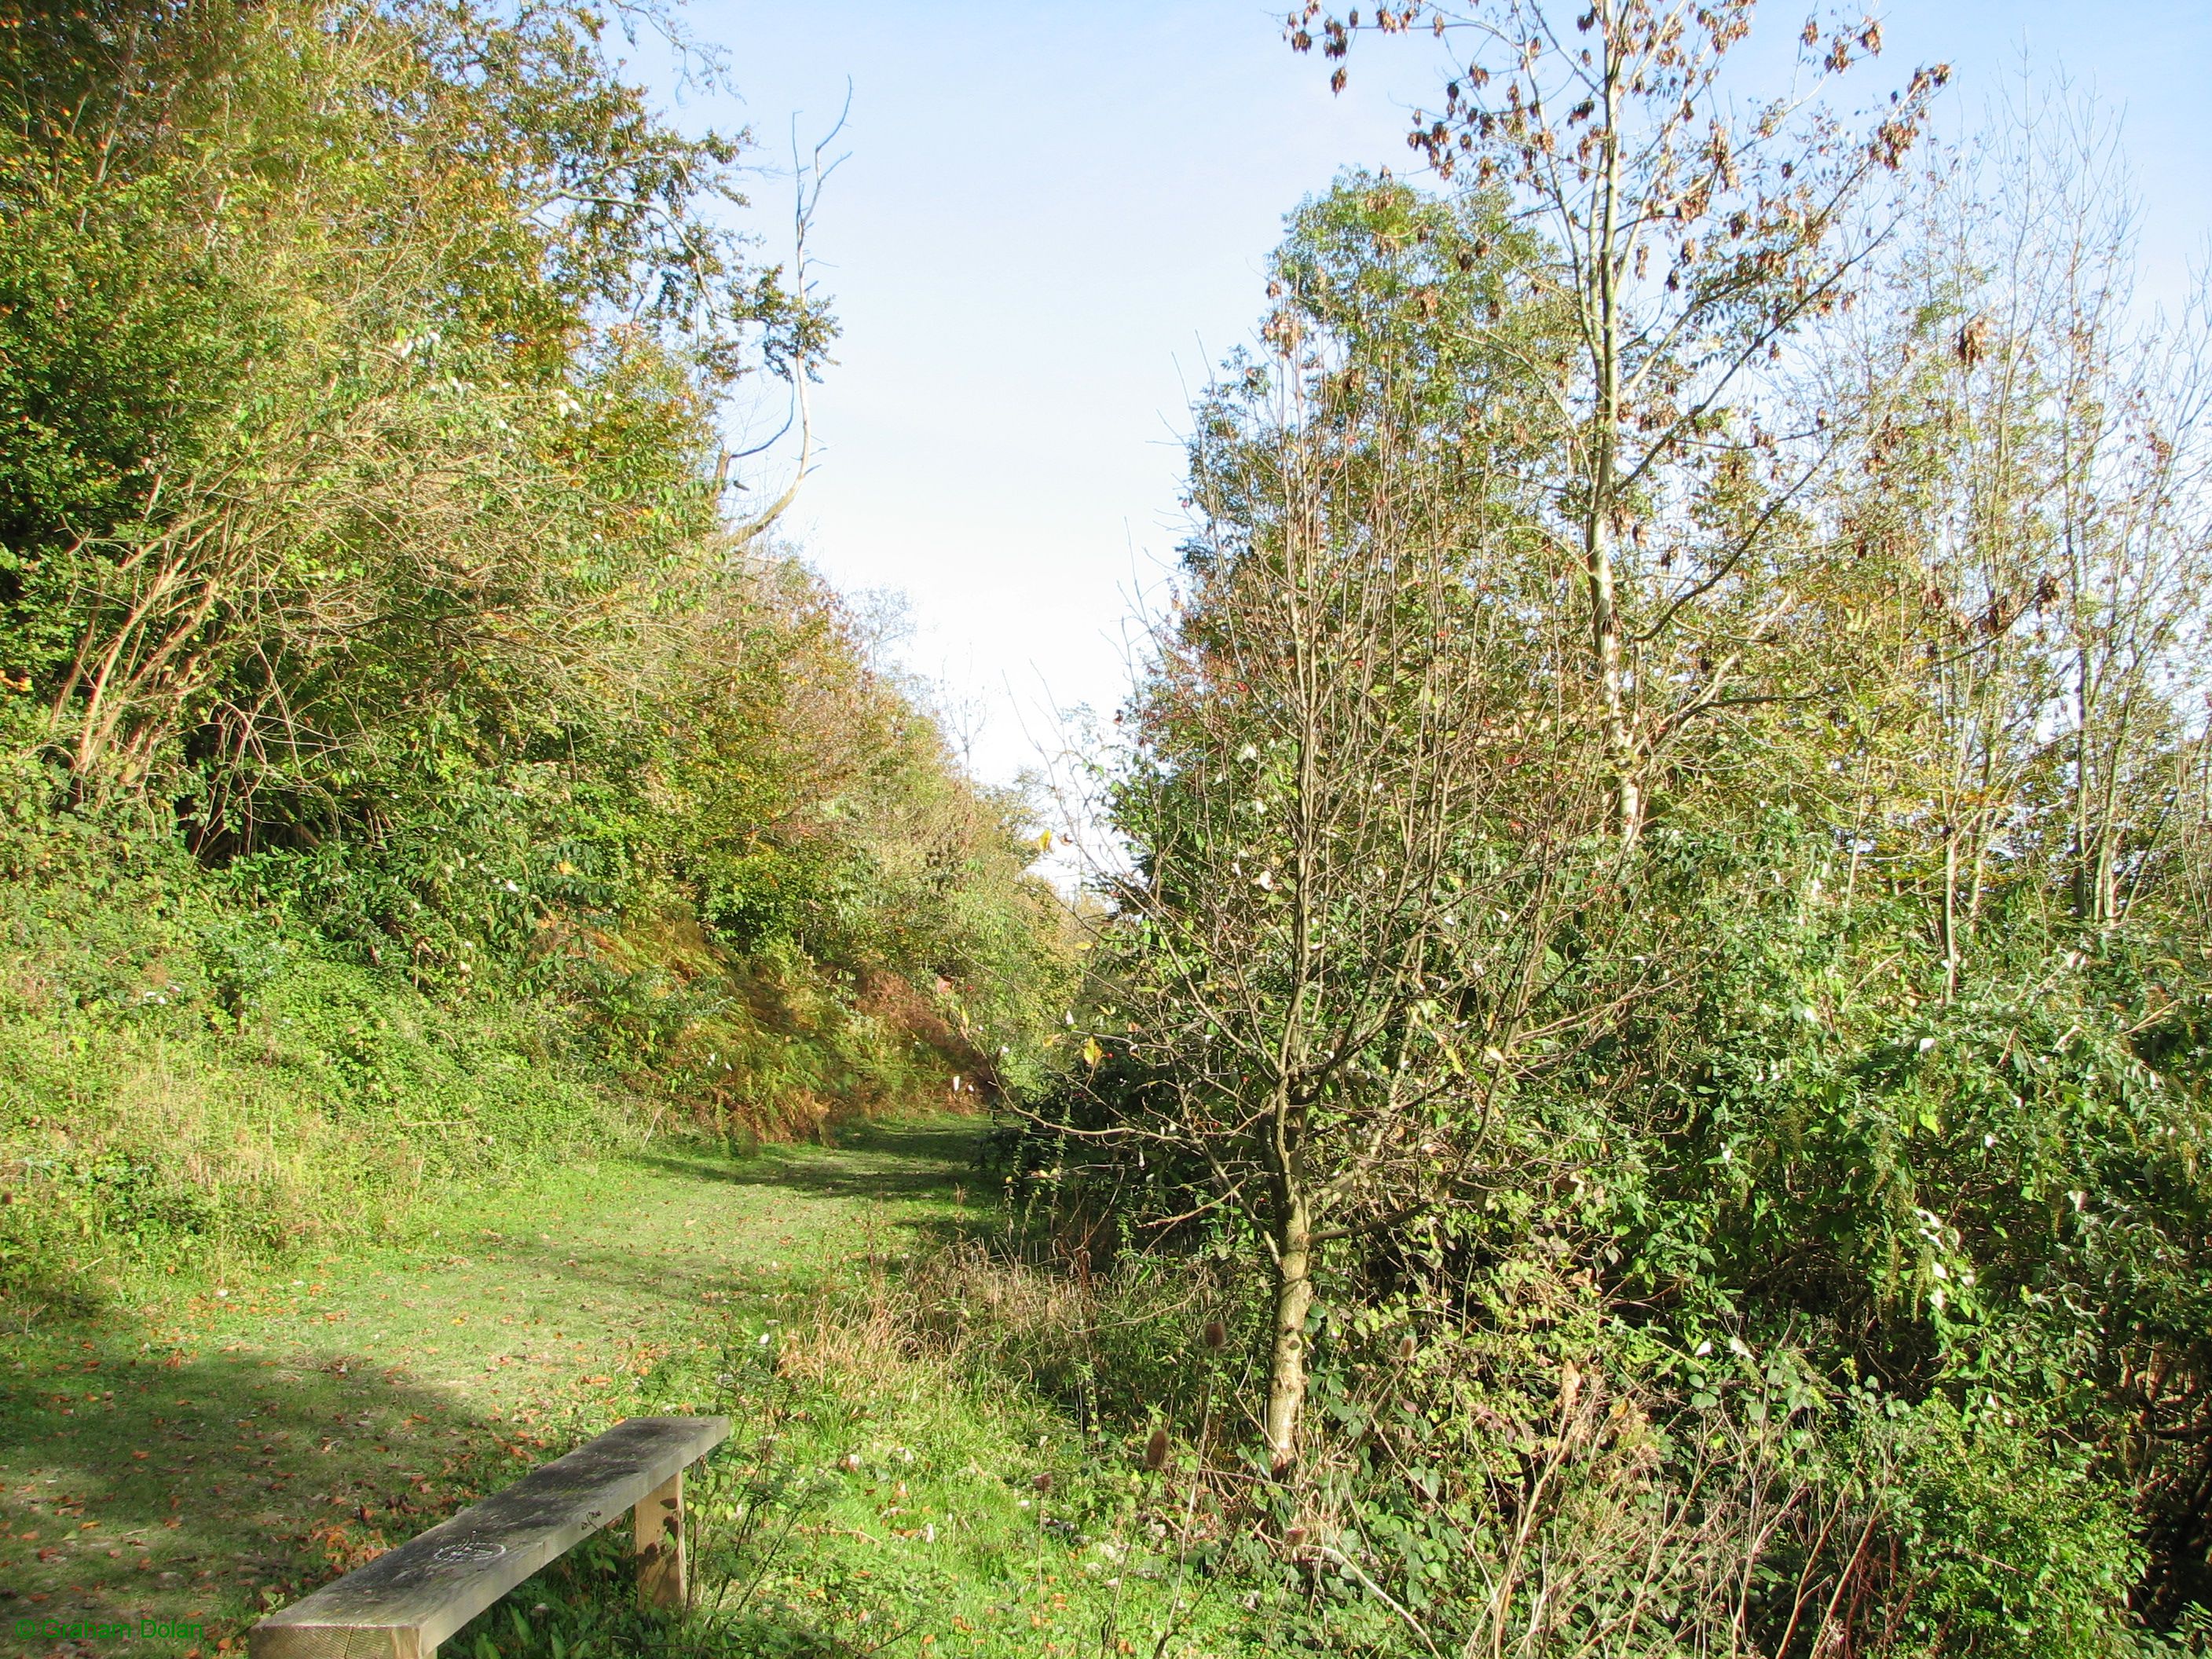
1613, 690
1607, 252
1950, 913
1286, 1375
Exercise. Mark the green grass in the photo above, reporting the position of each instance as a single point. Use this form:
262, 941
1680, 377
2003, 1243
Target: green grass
206, 1450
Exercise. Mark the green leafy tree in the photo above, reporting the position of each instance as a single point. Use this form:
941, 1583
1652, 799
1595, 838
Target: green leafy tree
1356, 841
361, 366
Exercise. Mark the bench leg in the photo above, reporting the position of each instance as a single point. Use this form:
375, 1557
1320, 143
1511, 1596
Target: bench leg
660, 1522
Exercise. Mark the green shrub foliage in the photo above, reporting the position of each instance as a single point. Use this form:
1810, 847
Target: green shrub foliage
1811, 1249
418, 766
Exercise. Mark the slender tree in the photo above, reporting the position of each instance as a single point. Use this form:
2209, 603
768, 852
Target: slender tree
1356, 827
1691, 242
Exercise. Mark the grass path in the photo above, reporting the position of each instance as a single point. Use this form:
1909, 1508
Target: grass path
218, 1447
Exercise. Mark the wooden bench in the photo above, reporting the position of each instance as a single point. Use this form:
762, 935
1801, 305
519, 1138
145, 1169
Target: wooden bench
407, 1600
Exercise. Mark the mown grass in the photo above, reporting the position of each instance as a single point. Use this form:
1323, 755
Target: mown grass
211, 1446
379, 1385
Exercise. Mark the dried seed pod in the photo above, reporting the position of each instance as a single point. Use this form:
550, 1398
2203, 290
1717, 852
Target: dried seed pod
1156, 1449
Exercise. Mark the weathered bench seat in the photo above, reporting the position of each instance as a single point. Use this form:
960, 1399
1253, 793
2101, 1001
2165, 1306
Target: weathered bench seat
406, 1601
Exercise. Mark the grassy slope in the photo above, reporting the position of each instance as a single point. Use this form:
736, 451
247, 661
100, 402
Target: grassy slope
221, 1447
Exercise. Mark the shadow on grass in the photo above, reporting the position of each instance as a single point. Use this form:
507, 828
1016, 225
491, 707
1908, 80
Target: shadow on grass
931, 1169
261, 1479
207, 1490
136, 1483
914, 1161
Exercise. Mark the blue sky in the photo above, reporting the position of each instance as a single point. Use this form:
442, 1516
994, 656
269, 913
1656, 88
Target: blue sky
1055, 217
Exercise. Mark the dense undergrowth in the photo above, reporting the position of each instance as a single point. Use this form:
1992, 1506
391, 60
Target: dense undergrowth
194, 1072
1696, 1133
188, 1080
975, 1453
